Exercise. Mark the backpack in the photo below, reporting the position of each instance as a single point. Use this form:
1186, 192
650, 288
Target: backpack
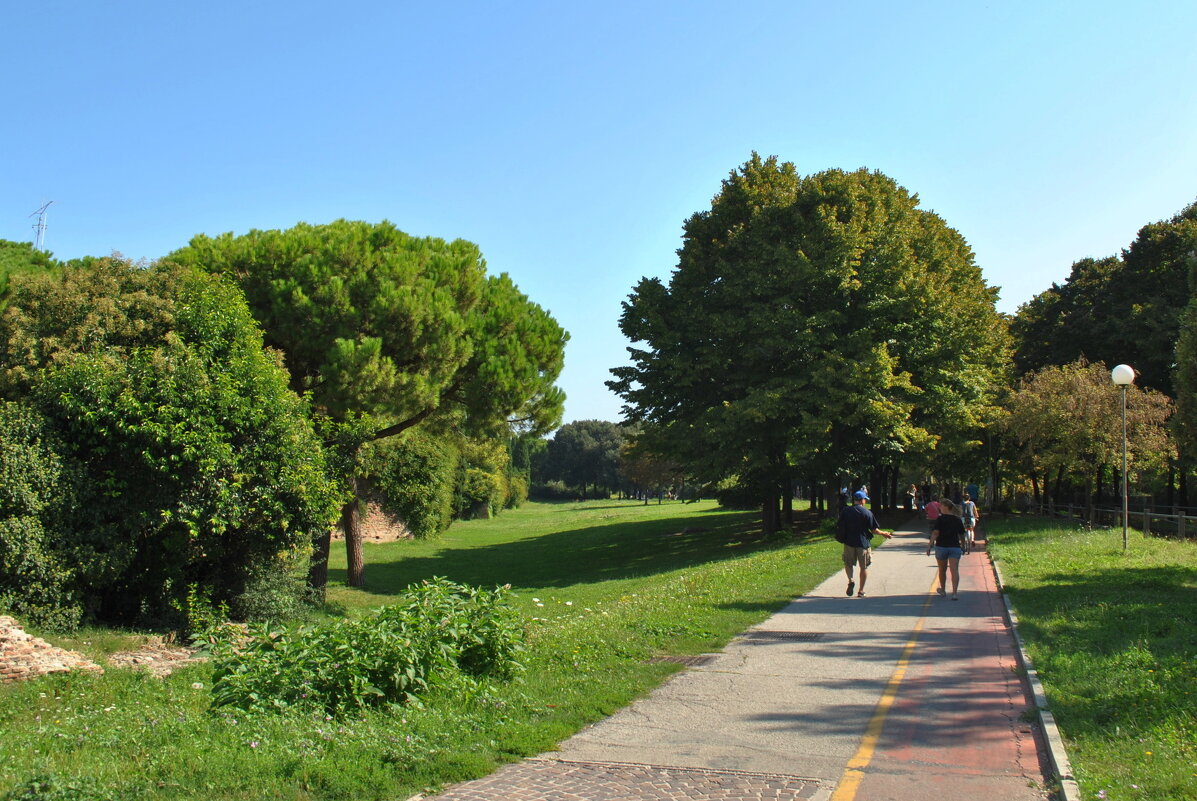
841, 528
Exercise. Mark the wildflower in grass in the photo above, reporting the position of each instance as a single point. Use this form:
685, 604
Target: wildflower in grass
253, 743
197, 685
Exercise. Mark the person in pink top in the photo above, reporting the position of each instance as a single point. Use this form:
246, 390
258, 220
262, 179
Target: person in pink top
933, 512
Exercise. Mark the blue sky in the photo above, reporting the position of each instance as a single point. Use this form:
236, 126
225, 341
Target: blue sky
570, 140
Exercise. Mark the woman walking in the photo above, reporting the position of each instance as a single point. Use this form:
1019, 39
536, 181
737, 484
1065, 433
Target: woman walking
947, 538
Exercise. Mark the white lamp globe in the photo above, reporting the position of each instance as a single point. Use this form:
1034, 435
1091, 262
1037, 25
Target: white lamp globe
1123, 374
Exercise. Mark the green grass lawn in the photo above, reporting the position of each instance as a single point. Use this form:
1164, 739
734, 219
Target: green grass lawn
602, 586
1113, 636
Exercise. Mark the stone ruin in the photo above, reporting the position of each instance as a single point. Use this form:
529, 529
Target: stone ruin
377, 523
23, 656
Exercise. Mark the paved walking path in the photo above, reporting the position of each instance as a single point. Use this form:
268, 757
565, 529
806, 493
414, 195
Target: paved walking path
898, 695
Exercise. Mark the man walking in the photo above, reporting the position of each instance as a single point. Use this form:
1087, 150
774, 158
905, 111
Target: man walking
855, 530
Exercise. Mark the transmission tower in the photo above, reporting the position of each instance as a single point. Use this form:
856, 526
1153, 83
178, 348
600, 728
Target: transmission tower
40, 225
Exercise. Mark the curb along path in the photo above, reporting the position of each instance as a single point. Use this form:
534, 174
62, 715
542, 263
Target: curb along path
897, 695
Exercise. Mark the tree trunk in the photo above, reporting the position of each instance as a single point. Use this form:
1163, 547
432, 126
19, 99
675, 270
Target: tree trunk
893, 488
351, 524
1182, 484
769, 516
787, 505
318, 565
1170, 496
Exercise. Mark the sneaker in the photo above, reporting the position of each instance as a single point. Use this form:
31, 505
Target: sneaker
954, 598
940, 591
860, 594
851, 587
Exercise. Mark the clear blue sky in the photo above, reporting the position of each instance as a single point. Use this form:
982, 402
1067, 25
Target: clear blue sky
571, 139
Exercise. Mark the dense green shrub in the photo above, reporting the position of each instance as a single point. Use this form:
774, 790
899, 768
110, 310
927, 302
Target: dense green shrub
437, 631
198, 463
516, 490
275, 591
35, 494
415, 474
553, 491
481, 489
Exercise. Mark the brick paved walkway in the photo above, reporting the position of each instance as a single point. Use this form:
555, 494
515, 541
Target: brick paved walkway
556, 780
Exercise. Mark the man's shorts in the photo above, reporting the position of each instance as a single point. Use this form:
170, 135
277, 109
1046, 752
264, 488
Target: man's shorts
857, 556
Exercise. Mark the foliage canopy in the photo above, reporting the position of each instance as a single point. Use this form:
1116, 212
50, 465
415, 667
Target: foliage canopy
813, 324
196, 463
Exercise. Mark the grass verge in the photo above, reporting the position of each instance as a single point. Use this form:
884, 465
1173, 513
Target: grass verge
603, 586
1113, 637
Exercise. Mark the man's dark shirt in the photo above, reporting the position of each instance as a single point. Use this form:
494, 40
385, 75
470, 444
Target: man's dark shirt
857, 524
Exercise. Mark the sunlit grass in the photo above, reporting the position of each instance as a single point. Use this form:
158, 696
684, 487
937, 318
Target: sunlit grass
1113, 636
602, 587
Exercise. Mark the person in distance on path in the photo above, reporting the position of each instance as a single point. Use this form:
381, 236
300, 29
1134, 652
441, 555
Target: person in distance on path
855, 530
932, 510
947, 538
968, 511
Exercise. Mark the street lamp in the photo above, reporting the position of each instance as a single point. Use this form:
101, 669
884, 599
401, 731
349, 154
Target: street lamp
1123, 375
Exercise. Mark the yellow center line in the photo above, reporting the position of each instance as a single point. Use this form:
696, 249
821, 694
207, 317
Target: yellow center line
849, 783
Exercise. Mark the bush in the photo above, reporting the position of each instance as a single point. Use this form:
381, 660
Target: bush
197, 463
415, 474
733, 495
438, 631
481, 488
36, 578
553, 491
517, 491
275, 592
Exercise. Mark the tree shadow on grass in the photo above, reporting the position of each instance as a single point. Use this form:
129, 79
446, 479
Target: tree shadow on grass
584, 555
1115, 644
1110, 609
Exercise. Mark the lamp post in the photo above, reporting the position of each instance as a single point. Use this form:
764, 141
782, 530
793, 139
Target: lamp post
1123, 375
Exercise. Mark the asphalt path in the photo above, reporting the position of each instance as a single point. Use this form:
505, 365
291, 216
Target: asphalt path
901, 694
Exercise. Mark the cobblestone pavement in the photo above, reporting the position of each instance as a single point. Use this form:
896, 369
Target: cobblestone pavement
556, 780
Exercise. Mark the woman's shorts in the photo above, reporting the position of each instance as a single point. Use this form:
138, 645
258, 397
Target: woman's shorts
970, 522
943, 552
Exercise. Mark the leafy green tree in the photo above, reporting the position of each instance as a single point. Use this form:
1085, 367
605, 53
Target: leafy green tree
1123, 309
647, 472
812, 325
197, 464
584, 454
1060, 324
387, 330
22, 257
1064, 423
